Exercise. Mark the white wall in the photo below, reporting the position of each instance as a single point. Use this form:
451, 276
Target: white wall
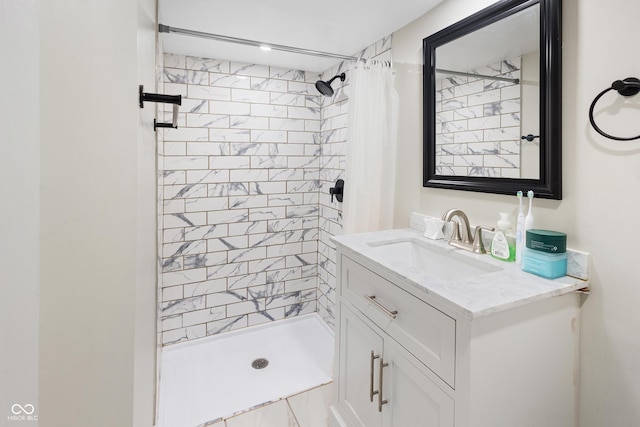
19, 215
144, 401
75, 224
599, 210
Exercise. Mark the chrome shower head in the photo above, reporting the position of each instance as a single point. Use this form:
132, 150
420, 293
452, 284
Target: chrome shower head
325, 87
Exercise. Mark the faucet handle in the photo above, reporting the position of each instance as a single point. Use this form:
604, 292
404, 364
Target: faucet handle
478, 245
455, 235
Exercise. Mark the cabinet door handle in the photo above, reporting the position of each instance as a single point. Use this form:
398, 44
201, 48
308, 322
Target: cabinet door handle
380, 401
371, 392
393, 314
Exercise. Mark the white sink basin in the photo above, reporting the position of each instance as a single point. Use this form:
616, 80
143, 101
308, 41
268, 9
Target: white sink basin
440, 263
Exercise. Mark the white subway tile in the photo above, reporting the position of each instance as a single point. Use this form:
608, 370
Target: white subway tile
268, 187
229, 162
268, 110
207, 176
303, 113
226, 325
203, 316
184, 248
206, 64
271, 85
207, 204
251, 201
287, 124
301, 88
184, 220
173, 60
247, 280
227, 270
303, 137
243, 95
260, 162
185, 134
266, 239
183, 277
266, 316
285, 199
195, 120
249, 175
267, 264
245, 307
212, 259
248, 122
228, 297
230, 108
287, 99
228, 216
254, 70
186, 163
283, 300
169, 177
247, 228
229, 135
171, 322
283, 250
172, 293
184, 191
173, 206
204, 232
225, 80
205, 288
209, 93
208, 148
286, 74
241, 255
285, 174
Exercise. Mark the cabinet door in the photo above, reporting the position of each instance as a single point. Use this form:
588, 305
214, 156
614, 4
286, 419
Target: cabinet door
355, 375
413, 399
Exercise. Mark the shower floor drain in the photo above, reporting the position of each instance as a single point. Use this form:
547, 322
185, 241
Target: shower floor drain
259, 363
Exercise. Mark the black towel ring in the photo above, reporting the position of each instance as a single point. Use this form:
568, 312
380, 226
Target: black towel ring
627, 87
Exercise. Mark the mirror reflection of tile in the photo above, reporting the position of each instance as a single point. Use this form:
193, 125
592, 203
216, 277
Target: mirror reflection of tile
478, 122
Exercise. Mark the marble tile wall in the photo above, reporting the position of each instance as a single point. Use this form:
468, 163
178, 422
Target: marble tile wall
478, 123
244, 208
238, 191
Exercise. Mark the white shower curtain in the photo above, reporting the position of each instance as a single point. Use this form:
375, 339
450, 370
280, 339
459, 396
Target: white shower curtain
371, 149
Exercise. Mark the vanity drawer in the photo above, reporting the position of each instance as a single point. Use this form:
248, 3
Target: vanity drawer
426, 332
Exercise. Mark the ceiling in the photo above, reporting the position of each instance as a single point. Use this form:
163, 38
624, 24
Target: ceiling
338, 26
513, 36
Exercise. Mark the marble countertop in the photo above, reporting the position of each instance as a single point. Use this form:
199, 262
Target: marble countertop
471, 297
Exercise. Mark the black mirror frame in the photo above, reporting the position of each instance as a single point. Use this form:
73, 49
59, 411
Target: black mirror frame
549, 184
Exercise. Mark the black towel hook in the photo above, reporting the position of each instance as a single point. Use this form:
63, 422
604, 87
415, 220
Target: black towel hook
627, 87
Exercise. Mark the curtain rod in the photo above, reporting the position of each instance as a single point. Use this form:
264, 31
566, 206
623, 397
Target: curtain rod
460, 73
167, 29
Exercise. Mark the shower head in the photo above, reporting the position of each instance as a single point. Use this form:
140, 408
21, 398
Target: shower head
325, 87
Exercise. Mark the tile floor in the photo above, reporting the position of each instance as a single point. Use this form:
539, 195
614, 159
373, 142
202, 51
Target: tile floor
307, 409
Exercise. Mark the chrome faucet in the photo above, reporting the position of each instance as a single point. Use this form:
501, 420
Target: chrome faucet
461, 226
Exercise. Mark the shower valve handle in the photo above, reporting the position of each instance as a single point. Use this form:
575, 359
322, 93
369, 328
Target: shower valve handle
337, 190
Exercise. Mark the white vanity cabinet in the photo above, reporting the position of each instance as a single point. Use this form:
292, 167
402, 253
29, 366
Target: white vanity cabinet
405, 359
381, 384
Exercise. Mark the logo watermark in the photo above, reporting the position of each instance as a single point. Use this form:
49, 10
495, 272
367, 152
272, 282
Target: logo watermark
25, 412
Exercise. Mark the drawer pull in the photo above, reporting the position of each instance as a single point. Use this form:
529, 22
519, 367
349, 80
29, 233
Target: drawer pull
371, 392
380, 401
393, 314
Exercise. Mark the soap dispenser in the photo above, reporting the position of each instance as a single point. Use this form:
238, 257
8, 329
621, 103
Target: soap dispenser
503, 245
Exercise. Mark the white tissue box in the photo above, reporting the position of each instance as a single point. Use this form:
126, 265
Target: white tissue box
433, 228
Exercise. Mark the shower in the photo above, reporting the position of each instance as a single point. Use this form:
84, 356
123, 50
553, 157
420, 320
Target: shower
325, 87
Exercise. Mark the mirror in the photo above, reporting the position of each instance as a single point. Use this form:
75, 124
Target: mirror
492, 101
